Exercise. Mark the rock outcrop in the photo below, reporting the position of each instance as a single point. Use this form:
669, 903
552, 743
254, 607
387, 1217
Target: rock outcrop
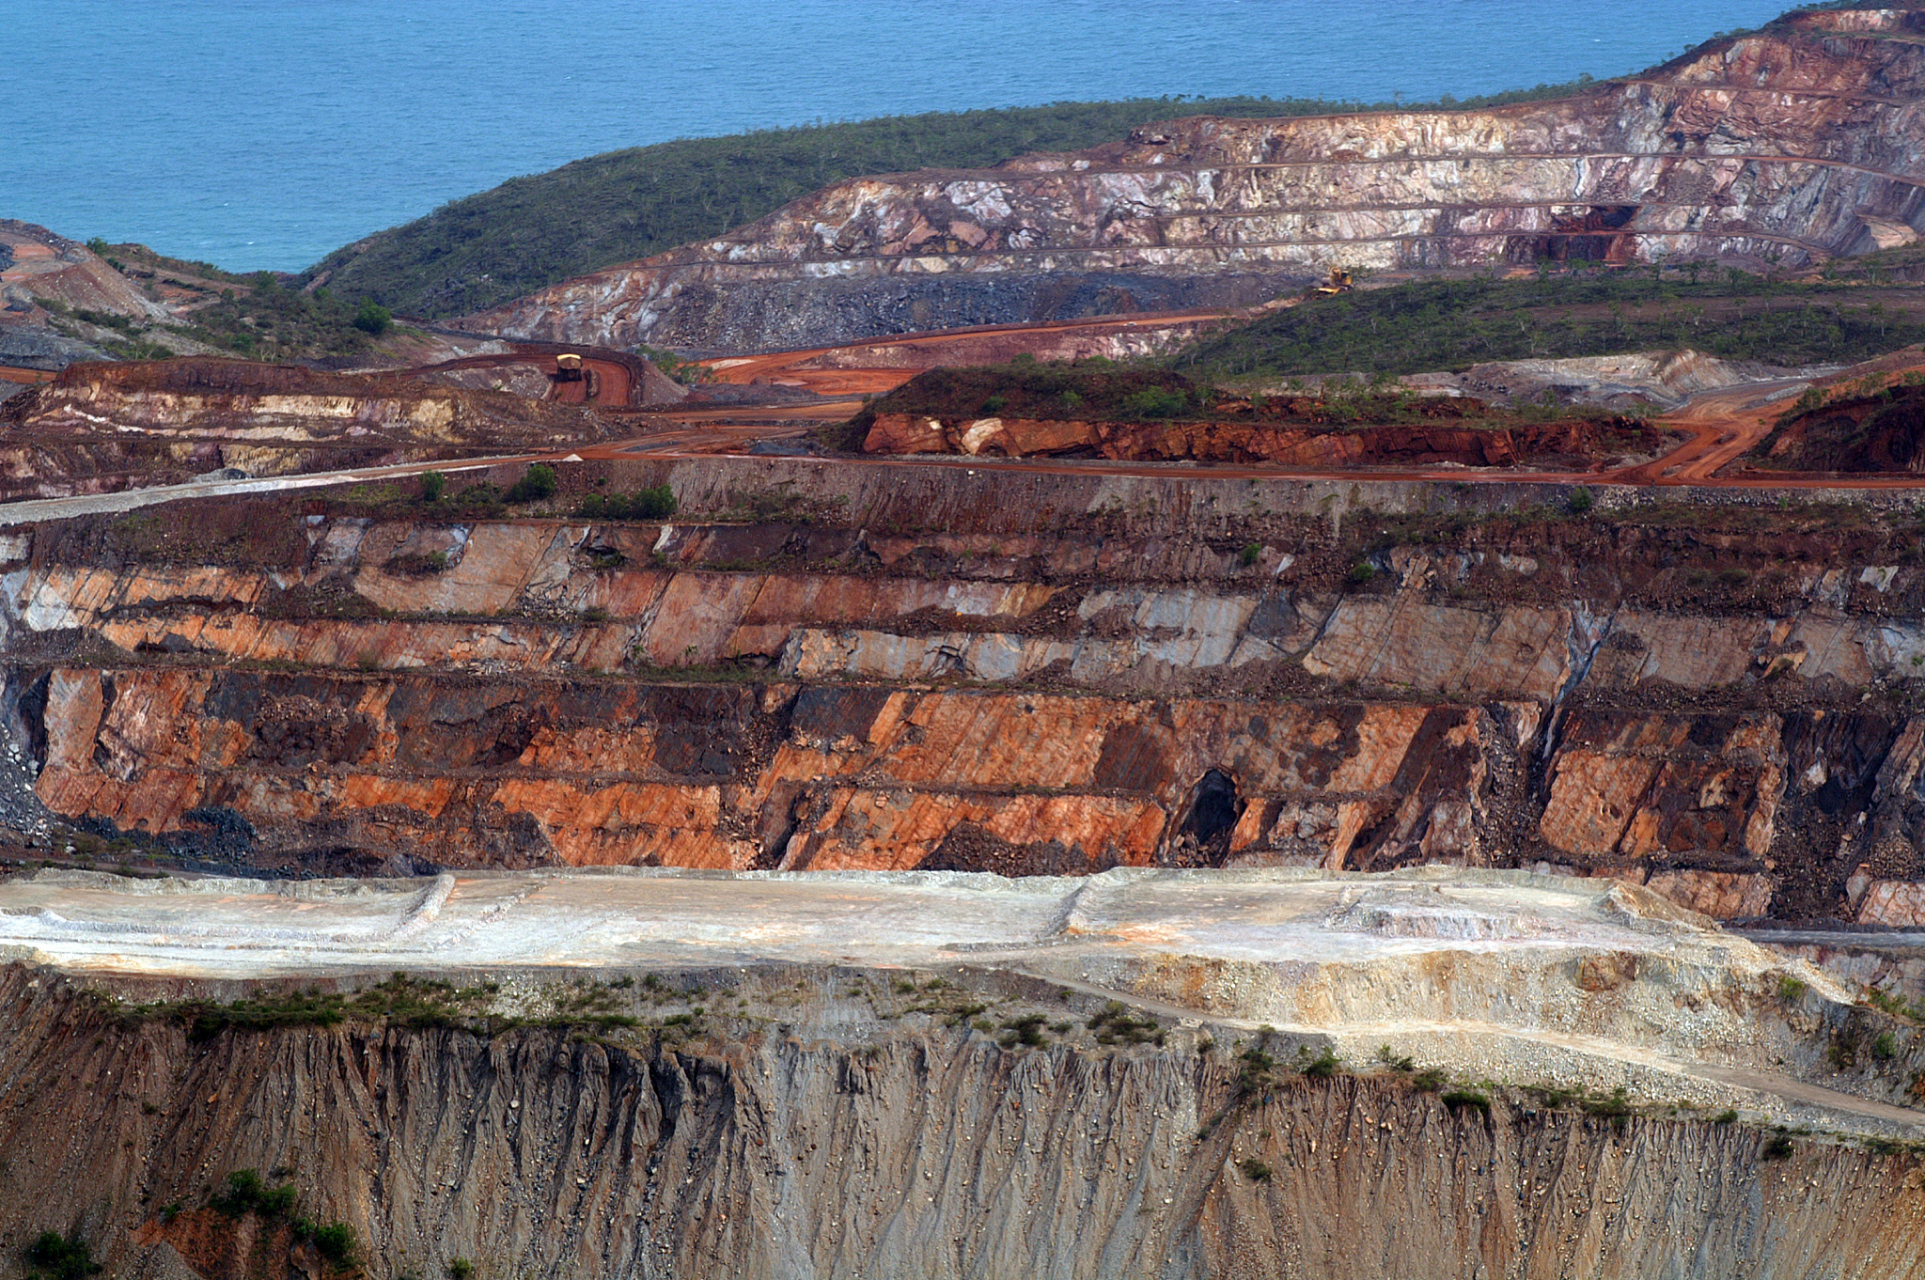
38, 266
1786, 146
40, 269
104, 427
1179, 676
1338, 448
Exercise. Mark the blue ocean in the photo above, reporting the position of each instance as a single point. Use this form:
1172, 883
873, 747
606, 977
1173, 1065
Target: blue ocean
264, 133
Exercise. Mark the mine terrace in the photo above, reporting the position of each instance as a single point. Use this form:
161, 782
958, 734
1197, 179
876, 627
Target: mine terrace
1338, 695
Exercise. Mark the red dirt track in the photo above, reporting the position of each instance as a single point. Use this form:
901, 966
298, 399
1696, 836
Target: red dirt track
814, 369
610, 379
1722, 426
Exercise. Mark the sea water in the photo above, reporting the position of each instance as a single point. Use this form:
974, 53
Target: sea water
264, 133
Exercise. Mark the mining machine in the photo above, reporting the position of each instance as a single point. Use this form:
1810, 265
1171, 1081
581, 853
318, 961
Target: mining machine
1339, 282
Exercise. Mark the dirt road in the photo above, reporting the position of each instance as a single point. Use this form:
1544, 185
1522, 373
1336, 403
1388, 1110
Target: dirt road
609, 382
1724, 425
883, 364
1720, 425
1121, 935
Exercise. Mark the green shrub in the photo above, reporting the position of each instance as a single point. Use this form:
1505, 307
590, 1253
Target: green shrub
1321, 1067
373, 319
1580, 501
536, 483
1727, 1116
1778, 1148
1256, 1071
657, 502
1156, 402
58, 1257
336, 1242
1791, 990
480, 498
1361, 572
433, 485
460, 1269
1115, 1024
1251, 553
1026, 1031
1256, 1170
243, 1192
1457, 1099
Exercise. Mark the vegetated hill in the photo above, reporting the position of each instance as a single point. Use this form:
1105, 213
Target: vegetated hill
1453, 324
1698, 160
615, 207
1086, 389
66, 301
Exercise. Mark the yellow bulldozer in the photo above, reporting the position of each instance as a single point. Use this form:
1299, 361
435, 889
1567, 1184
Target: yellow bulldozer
1339, 282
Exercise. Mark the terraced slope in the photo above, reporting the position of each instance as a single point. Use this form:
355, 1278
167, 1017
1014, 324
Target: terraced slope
830, 667
1789, 146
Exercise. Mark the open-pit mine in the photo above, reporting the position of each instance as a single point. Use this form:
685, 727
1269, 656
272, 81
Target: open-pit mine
981, 802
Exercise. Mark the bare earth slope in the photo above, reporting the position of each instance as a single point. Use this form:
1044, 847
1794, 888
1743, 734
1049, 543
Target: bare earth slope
942, 1076
104, 427
1789, 146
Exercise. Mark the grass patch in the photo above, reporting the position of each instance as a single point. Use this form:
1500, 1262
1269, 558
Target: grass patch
1453, 324
1461, 1099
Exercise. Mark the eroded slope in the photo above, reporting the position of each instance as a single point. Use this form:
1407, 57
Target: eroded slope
930, 1106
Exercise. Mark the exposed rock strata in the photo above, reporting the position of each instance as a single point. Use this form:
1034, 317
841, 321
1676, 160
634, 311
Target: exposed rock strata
1023, 700
101, 428
36, 265
1788, 146
1338, 448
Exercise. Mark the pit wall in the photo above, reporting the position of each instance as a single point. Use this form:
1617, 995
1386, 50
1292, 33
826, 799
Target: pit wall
1149, 677
835, 1147
1208, 212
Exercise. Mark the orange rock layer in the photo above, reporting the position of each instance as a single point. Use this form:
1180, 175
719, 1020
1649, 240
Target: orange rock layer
817, 697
